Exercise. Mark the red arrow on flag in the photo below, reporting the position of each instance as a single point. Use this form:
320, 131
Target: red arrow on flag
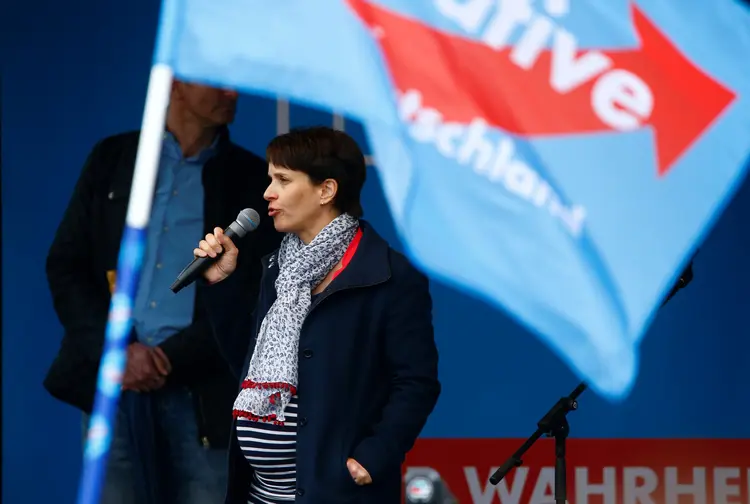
464, 79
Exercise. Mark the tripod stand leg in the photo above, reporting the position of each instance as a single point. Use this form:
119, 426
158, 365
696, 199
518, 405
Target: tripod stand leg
561, 487
560, 470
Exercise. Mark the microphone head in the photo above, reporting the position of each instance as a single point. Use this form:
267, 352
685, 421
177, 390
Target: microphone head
248, 220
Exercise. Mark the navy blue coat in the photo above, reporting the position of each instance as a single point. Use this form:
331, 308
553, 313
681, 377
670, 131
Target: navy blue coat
367, 373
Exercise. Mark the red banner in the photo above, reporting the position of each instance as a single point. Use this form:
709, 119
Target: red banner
600, 471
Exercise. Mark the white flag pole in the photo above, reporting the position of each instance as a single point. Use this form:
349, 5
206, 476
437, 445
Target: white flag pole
132, 246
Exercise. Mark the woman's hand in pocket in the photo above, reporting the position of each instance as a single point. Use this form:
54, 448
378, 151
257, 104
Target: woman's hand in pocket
358, 473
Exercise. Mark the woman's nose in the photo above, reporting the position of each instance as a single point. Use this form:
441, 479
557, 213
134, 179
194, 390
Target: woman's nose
269, 194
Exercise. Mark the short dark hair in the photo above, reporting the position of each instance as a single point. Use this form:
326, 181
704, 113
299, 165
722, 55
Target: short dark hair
324, 153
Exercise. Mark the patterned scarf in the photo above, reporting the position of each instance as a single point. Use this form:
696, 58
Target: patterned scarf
272, 376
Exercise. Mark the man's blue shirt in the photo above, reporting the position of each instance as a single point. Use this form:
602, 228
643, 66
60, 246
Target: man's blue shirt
175, 228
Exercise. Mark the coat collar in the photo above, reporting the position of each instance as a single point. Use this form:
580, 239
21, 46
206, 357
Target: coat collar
370, 265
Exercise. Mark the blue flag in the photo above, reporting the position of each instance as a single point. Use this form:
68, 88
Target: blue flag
559, 159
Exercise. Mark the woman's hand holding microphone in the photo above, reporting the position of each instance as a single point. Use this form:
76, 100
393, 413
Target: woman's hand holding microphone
211, 246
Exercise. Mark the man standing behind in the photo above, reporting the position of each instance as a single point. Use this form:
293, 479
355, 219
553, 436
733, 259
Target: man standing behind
172, 429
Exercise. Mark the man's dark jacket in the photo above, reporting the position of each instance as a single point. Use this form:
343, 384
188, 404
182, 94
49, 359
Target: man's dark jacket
86, 246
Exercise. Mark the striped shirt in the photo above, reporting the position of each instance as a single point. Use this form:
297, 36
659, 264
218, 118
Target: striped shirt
271, 451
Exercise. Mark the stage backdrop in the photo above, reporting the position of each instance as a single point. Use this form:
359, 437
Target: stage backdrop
75, 72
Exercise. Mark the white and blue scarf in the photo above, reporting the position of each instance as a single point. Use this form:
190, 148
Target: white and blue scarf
273, 372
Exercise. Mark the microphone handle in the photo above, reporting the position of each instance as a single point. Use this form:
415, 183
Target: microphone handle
197, 267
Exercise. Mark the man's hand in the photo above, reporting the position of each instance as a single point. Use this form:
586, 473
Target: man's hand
146, 368
359, 474
161, 361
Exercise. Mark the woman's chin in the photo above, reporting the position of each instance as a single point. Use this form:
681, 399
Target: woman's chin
279, 224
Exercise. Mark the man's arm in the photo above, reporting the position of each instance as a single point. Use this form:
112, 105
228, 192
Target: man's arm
198, 346
80, 299
192, 348
80, 296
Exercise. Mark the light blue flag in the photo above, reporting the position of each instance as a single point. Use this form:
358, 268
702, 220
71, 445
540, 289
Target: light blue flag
560, 159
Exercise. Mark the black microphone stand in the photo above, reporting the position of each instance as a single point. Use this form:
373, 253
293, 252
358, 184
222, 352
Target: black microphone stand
555, 422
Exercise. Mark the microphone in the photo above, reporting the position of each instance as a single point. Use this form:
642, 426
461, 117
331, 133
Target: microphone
248, 220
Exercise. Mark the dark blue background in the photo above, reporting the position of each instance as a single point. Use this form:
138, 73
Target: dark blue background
76, 71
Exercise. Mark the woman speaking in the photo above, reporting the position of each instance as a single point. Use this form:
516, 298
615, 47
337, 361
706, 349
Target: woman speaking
338, 363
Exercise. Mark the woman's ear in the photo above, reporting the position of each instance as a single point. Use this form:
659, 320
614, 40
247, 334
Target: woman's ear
329, 187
